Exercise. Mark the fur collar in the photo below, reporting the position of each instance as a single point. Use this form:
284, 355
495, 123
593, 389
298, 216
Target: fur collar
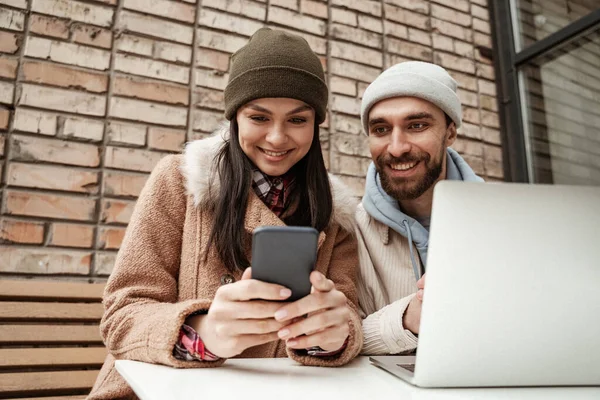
197, 168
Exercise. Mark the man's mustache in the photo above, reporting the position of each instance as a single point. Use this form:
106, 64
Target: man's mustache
404, 159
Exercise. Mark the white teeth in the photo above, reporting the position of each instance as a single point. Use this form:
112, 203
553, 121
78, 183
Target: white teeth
274, 153
403, 167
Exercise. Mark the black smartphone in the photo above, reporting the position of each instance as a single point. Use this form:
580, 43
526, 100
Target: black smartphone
285, 255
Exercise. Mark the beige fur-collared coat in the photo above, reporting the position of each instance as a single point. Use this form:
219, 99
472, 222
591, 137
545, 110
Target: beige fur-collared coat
160, 277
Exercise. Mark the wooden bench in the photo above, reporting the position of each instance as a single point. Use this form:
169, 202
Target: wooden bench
50, 341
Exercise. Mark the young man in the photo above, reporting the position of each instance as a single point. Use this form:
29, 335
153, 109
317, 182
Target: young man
410, 113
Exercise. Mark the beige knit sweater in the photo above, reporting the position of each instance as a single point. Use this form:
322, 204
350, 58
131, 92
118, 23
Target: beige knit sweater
386, 285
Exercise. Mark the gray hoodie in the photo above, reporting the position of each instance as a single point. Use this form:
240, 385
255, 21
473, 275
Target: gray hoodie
386, 209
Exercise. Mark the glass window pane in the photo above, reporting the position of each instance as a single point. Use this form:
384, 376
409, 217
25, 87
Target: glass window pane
561, 94
540, 18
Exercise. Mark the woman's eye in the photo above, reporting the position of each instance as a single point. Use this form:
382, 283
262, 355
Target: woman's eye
297, 120
258, 118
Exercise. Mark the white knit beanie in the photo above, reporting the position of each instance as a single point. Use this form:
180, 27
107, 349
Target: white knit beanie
413, 79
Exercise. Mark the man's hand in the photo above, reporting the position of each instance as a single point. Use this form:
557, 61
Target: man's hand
412, 316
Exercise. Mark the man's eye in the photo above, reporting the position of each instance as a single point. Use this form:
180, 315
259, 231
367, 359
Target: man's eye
297, 120
380, 130
418, 126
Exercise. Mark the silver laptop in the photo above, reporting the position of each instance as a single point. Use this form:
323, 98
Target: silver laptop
512, 295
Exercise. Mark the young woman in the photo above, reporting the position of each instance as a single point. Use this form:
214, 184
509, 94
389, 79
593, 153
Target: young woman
181, 292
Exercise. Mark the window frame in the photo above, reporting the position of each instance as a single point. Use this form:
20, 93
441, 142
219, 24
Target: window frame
507, 61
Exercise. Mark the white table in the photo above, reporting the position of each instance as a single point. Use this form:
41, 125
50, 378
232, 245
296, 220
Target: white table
282, 378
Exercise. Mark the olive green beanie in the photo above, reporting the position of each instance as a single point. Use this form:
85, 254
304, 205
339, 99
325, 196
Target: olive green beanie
276, 64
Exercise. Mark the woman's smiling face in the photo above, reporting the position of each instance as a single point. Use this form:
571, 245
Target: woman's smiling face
275, 133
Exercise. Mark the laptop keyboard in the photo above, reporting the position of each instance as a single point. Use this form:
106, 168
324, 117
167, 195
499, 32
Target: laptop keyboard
409, 367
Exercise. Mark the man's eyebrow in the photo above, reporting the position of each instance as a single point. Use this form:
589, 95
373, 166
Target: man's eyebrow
258, 108
303, 107
376, 121
420, 115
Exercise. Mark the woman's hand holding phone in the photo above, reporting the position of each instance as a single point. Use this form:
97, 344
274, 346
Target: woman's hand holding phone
241, 316
327, 324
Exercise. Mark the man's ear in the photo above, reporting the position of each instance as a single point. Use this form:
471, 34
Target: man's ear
451, 134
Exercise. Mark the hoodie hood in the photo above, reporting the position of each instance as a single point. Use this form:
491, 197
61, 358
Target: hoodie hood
386, 209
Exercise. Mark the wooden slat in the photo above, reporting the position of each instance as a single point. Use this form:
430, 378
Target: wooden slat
52, 357
55, 398
13, 310
23, 382
49, 334
38, 290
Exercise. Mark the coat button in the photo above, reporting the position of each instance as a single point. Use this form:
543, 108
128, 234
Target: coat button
226, 279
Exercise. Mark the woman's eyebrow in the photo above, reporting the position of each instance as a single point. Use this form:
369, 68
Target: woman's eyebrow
303, 107
258, 108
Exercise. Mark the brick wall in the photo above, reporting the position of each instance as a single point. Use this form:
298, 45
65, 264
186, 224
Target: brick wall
94, 92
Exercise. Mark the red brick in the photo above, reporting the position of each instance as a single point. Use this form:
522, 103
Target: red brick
356, 35
49, 26
453, 62
94, 36
291, 4
365, 6
25, 148
63, 76
8, 68
117, 183
461, 5
355, 53
451, 15
489, 118
12, 231
453, 30
150, 90
44, 261
212, 59
50, 206
58, 99
209, 98
104, 263
111, 238
469, 147
298, 21
247, 8
489, 102
163, 8
71, 235
131, 159
9, 42
343, 86
116, 211
410, 50
166, 139
407, 17
52, 178
315, 8
229, 23
480, 12
4, 116
355, 71
344, 16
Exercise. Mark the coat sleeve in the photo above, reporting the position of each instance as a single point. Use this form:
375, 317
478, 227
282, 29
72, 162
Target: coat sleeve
142, 317
382, 329
342, 271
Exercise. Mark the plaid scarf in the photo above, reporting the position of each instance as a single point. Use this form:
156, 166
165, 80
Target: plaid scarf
273, 191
